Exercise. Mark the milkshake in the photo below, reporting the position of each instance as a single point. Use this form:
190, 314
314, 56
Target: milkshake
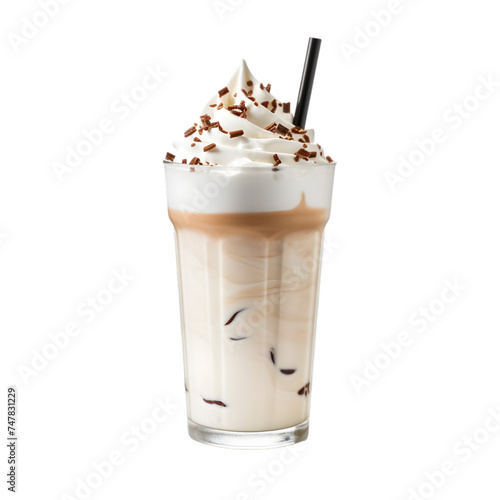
249, 194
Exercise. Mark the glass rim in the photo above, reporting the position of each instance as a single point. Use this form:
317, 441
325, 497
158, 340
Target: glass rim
234, 168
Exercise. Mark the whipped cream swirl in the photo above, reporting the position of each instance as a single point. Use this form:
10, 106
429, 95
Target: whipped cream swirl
245, 125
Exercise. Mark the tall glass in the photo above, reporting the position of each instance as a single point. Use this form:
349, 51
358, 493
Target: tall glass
248, 255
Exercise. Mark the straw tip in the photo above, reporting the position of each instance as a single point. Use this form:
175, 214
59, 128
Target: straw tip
307, 82
313, 40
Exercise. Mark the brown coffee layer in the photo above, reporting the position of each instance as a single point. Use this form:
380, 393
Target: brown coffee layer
253, 224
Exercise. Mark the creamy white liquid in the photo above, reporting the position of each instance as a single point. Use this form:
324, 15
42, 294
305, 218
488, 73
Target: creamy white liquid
253, 374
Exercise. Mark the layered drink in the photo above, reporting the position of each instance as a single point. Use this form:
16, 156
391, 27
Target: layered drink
249, 194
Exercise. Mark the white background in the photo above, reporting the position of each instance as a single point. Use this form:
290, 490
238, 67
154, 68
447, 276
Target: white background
392, 249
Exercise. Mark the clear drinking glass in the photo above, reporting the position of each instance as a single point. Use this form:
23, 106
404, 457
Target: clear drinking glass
248, 255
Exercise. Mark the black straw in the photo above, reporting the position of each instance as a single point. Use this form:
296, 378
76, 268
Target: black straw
306, 84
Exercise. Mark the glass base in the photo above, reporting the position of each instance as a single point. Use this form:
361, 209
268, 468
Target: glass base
249, 440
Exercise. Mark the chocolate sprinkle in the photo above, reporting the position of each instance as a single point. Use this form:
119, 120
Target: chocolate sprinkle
210, 147
213, 105
274, 105
250, 83
170, 157
189, 131
271, 126
235, 133
239, 109
329, 159
268, 87
298, 130
303, 153
223, 91
184, 161
220, 106
286, 107
305, 390
197, 139
213, 402
265, 103
281, 129
284, 371
231, 319
205, 120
